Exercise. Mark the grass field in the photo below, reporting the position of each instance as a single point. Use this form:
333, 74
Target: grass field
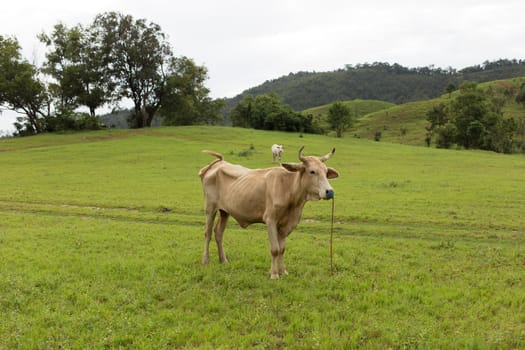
101, 236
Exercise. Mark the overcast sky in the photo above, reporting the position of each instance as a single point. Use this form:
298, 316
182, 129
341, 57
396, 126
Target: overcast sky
244, 43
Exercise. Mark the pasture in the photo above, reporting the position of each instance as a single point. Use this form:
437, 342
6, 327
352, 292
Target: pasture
101, 237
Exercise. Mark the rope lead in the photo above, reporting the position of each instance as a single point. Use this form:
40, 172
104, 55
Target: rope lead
331, 239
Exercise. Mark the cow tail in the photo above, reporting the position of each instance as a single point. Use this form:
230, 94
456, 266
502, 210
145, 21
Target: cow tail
215, 154
219, 156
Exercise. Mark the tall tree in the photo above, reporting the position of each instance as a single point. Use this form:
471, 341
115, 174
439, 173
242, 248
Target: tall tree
472, 112
340, 118
440, 125
186, 100
75, 63
20, 88
139, 59
242, 114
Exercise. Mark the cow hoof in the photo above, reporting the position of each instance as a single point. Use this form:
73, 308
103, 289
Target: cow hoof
284, 272
274, 276
205, 259
224, 261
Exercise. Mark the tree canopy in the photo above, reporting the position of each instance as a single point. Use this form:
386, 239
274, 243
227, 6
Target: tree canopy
116, 57
75, 63
339, 118
139, 60
187, 101
21, 90
473, 119
267, 112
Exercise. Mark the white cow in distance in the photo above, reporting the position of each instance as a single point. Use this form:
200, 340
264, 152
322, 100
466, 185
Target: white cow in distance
277, 152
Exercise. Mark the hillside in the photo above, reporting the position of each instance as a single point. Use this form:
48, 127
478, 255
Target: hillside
405, 123
378, 81
358, 107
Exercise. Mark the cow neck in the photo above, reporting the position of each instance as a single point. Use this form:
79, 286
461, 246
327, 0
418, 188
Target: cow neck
300, 194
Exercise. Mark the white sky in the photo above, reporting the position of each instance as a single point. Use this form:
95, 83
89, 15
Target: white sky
244, 43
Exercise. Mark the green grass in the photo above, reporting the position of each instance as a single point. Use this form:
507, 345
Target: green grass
101, 236
400, 124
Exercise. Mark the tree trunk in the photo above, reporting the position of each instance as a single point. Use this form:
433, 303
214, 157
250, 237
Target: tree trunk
136, 122
144, 115
33, 121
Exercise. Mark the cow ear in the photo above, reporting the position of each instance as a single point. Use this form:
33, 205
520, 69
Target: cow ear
332, 173
292, 166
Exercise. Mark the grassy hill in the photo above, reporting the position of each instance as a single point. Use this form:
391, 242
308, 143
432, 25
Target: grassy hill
358, 107
405, 123
101, 236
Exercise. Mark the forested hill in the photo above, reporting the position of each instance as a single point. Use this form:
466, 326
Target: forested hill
378, 81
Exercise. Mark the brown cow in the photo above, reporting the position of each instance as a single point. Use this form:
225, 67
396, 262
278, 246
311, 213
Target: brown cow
273, 196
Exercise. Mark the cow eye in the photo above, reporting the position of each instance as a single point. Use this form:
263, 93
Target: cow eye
312, 172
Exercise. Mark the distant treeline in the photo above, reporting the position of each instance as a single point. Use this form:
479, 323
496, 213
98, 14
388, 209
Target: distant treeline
378, 81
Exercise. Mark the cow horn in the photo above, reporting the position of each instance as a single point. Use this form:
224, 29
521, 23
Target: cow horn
301, 158
327, 156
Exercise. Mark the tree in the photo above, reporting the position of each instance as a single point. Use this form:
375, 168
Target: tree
471, 111
186, 100
437, 115
450, 88
446, 135
115, 58
267, 112
139, 59
473, 119
242, 114
340, 118
438, 118
20, 88
74, 61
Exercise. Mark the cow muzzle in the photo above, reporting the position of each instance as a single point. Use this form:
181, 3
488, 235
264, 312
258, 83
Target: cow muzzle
329, 194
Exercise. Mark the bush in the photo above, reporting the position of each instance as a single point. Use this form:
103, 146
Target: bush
446, 135
267, 112
72, 122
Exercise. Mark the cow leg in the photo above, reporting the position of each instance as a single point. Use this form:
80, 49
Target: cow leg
219, 233
210, 217
282, 248
274, 250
